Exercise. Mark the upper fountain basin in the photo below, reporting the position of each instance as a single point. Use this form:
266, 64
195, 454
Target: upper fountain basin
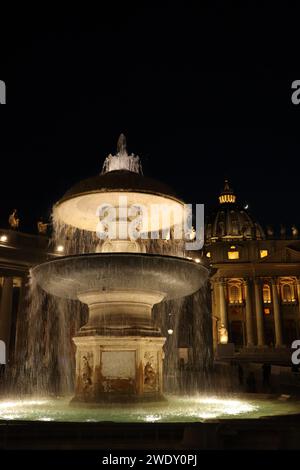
80, 205
71, 276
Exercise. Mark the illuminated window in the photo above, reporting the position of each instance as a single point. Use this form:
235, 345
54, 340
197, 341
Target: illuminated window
263, 253
235, 295
233, 254
267, 311
288, 293
287, 289
208, 254
267, 294
227, 198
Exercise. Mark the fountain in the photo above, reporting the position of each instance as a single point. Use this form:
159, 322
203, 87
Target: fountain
115, 292
119, 351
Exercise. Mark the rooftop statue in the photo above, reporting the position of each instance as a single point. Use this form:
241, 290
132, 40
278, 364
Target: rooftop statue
121, 145
13, 220
42, 227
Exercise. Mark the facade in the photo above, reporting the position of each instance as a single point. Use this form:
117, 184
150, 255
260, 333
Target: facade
255, 283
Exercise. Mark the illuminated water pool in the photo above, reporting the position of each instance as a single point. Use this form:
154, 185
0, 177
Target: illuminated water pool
176, 409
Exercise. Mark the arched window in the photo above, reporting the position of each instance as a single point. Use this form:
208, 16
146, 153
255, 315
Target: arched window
266, 294
287, 289
235, 292
286, 293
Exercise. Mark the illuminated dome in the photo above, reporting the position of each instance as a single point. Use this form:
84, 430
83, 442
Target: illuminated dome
231, 221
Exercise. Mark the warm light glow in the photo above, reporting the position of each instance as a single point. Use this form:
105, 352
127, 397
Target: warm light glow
287, 289
227, 198
230, 407
208, 254
152, 418
4, 405
3, 238
266, 294
82, 211
170, 331
233, 255
267, 311
235, 292
197, 260
263, 253
60, 248
14, 409
223, 334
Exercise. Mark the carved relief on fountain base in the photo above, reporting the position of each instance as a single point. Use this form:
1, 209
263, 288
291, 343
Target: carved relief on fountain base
118, 369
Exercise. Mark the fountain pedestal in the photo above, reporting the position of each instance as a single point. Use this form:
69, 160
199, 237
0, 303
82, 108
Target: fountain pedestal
119, 351
116, 369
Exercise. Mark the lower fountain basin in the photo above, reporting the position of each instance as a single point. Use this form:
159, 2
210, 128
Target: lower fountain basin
176, 409
70, 276
194, 422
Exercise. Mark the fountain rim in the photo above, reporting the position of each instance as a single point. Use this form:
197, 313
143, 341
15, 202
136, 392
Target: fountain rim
117, 190
75, 191
201, 265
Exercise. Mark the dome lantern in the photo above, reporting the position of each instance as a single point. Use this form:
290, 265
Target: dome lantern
227, 195
230, 221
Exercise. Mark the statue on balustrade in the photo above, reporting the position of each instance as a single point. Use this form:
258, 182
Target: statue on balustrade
13, 220
42, 226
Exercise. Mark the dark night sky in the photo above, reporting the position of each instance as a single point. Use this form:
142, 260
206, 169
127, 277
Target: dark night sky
201, 93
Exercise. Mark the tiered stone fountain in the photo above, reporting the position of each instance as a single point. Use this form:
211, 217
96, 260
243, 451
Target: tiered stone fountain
119, 350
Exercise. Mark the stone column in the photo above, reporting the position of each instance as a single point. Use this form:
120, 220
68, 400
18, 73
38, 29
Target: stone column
277, 316
223, 304
249, 322
6, 311
259, 313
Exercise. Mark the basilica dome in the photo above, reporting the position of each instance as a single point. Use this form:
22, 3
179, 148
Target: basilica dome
231, 221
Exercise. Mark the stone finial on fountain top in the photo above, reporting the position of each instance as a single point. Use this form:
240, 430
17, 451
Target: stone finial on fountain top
122, 161
121, 145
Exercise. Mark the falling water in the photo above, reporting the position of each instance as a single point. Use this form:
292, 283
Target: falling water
44, 359
189, 322
77, 241
73, 240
